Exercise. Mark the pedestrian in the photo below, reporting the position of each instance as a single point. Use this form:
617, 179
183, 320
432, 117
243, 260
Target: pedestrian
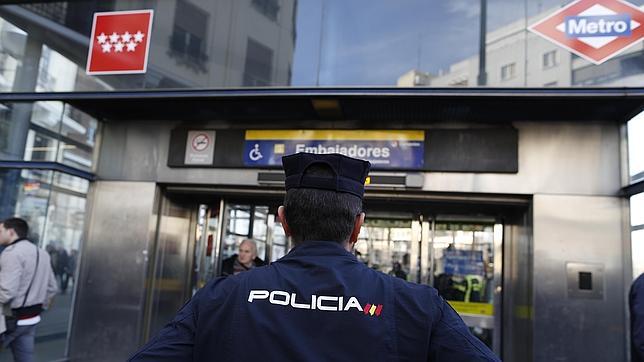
62, 268
245, 260
317, 303
636, 303
397, 271
27, 286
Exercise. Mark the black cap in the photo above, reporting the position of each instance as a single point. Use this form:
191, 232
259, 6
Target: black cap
350, 173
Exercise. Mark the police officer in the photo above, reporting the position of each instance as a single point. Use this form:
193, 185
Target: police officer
318, 302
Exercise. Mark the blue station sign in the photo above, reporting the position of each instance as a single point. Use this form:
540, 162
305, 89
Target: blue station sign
385, 149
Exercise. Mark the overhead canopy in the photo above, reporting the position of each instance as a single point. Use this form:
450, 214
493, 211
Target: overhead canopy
368, 107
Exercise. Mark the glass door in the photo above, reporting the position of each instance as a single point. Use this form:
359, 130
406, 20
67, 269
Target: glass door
206, 238
464, 265
391, 243
254, 222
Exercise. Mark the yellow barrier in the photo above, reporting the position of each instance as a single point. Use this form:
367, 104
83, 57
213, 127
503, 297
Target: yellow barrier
472, 308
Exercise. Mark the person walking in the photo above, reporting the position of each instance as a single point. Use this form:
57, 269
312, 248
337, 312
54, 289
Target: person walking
27, 286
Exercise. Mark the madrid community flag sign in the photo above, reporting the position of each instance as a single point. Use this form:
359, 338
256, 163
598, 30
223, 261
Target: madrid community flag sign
120, 42
596, 30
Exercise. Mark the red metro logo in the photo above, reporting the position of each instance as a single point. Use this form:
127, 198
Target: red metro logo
317, 302
596, 30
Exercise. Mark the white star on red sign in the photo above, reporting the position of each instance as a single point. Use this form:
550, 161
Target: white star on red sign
119, 42
128, 41
101, 38
138, 37
114, 37
107, 47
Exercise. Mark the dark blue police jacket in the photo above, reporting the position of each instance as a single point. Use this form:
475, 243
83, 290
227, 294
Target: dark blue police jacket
318, 303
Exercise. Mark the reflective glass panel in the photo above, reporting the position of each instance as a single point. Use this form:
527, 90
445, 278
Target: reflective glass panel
637, 210
14, 126
47, 115
40, 147
56, 223
463, 273
637, 239
71, 183
56, 73
13, 41
385, 245
79, 126
75, 156
258, 43
636, 147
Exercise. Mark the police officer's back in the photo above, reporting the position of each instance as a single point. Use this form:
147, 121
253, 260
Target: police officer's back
318, 302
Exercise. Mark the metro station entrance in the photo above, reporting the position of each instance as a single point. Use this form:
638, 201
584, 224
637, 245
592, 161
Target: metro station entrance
460, 255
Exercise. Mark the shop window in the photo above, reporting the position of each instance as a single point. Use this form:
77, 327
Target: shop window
53, 204
188, 39
508, 71
268, 8
549, 59
636, 148
259, 64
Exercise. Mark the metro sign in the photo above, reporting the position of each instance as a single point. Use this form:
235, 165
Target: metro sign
120, 42
596, 30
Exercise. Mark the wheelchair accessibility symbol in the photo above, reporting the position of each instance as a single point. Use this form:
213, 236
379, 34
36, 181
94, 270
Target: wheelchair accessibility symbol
255, 154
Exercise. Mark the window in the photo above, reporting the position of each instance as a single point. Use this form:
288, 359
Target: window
259, 64
188, 39
268, 8
636, 148
508, 71
48, 131
550, 59
637, 210
637, 233
53, 204
12, 49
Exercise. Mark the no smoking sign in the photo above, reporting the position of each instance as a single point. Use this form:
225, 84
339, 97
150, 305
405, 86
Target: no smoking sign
200, 148
200, 142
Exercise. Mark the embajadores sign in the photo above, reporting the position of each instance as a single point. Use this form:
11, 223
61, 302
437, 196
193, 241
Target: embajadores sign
385, 149
596, 30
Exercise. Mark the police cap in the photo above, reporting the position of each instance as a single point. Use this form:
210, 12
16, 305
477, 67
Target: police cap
350, 173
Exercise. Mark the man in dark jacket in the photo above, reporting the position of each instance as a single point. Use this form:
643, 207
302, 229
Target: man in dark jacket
636, 302
317, 303
245, 260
